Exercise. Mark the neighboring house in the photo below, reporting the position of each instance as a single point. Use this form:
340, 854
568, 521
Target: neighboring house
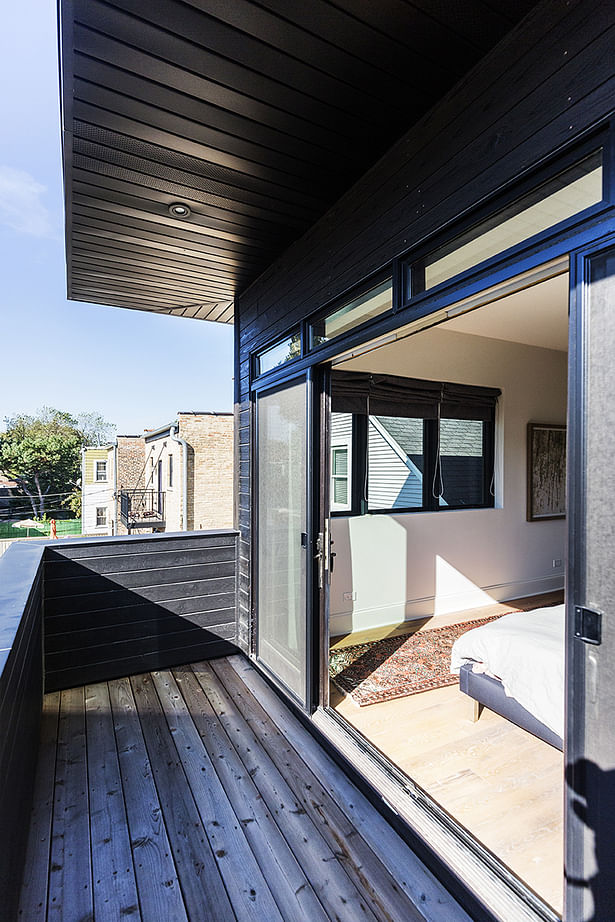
188, 470
175, 478
7, 492
416, 197
98, 490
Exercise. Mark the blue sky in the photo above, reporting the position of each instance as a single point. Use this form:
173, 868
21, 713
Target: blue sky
66, 354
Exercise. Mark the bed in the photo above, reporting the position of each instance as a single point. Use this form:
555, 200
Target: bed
515, 667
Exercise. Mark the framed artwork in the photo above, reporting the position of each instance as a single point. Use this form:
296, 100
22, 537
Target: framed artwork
546, 472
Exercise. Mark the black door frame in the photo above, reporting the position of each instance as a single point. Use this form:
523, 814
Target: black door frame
573, 748
590, 889
313, 415
585, 239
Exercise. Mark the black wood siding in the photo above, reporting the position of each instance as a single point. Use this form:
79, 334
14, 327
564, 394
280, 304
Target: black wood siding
550, 79
21, 690
115, 607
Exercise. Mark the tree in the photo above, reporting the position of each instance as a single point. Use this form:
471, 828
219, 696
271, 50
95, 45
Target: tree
42, 453
94, 429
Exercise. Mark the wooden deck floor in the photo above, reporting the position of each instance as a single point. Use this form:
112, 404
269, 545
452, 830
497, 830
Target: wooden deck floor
194, 794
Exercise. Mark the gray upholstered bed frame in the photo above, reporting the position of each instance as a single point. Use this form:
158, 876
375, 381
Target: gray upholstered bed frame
488, 692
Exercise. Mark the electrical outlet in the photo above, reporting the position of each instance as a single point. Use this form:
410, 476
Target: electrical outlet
556, 564
350, 597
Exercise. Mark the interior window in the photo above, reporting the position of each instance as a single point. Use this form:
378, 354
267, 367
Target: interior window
461, 480
435, 453
339, 473
395, 463
341, 462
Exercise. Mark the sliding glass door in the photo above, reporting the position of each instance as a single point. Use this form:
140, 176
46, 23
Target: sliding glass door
283, 539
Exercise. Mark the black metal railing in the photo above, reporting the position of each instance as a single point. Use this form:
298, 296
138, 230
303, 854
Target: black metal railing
142, 508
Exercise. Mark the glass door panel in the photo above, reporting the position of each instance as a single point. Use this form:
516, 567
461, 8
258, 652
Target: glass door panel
282, 534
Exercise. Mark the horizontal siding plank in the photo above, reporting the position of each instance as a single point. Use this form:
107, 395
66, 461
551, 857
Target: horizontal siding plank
127, 545
183, 636
136, 664
98, 600
211, 623
137, 579
116, 614
66, 569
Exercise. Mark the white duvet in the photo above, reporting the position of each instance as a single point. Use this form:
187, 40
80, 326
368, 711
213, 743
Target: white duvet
525, 650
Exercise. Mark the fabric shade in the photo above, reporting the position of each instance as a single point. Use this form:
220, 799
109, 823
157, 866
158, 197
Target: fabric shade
391, 395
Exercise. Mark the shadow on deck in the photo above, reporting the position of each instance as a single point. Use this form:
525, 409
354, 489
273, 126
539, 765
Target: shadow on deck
194, 794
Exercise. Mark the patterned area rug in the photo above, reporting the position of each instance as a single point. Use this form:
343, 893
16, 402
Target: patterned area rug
398, 666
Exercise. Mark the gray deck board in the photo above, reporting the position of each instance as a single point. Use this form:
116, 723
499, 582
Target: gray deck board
176, 797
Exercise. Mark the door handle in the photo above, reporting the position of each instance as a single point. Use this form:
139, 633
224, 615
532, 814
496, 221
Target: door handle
332, 556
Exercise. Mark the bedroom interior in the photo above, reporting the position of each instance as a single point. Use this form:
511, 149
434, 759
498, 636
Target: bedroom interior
413, 576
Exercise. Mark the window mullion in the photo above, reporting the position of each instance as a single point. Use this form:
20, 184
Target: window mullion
431, 460
359, 464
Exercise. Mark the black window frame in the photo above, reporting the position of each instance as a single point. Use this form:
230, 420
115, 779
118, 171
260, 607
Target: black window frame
359, 502
411, 284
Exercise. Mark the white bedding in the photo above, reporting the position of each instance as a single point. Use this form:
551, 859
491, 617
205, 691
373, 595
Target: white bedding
525, 650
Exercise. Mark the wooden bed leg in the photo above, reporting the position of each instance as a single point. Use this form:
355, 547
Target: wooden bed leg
477, 709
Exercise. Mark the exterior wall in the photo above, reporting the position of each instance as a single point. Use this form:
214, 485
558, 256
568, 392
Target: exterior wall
161, 449
130, 467
412, 565
209, 482
210, 468
544, 84
96, 493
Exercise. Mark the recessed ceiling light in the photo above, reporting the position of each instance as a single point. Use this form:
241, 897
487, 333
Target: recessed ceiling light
179, 210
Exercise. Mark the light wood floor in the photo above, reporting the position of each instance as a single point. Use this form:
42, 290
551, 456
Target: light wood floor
193, 795
500, 782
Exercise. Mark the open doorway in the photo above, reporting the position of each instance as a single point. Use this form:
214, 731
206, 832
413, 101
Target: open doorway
446, 615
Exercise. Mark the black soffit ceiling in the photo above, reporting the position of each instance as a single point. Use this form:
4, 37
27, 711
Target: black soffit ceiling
257, 116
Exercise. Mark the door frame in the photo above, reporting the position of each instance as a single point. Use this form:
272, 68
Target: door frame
582, 659
313, 504
585, 239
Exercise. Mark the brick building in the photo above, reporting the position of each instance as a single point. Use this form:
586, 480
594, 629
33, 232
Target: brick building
190, 463
178, 477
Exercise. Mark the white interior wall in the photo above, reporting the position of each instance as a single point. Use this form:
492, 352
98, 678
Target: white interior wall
401, 566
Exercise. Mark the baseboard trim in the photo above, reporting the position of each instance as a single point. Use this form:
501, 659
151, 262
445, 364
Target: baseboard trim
414, 609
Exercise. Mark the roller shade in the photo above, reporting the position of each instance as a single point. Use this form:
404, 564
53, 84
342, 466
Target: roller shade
390, 395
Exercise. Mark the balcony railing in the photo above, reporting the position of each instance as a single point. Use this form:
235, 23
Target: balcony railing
142, 509
154, 601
